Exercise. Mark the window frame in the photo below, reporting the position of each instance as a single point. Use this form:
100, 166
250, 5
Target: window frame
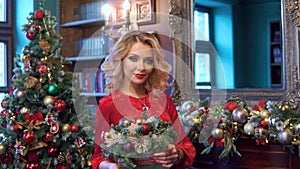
206, 47
7, 37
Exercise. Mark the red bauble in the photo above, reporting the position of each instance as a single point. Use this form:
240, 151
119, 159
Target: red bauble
33, 165
74, 128
4, 103
39, 14
30, 35
37, 26
128, 147
231, 105
146, 129
28, 136
52, 151
48, 137
54, 128
61, 166
60, 105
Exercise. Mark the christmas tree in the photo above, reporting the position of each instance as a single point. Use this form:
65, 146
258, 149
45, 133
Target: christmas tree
43, 114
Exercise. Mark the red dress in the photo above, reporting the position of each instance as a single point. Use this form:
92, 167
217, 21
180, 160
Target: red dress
117, 105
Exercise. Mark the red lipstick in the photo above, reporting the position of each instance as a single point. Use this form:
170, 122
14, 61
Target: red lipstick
140, 76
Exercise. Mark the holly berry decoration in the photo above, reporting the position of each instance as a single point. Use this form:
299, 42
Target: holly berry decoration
60, 105
52, 151
74, 128
33, 165
146, 129
30, 35
28, 136
39, 14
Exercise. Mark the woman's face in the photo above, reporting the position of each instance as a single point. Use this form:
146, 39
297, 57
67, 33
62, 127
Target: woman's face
138, 64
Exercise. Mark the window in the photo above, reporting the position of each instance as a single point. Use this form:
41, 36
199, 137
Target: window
204, 48
6, 44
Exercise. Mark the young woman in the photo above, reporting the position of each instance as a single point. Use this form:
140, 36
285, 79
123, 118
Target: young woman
136, 75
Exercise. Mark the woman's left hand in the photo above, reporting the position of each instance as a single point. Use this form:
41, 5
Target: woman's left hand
167, 158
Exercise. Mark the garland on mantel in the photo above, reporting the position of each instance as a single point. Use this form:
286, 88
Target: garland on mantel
221, 126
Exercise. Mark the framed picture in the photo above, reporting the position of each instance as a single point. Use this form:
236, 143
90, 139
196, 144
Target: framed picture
145, 11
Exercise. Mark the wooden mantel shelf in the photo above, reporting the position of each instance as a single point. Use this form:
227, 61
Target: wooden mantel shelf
269, 156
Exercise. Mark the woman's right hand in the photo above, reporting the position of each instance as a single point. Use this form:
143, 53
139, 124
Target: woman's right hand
108, 165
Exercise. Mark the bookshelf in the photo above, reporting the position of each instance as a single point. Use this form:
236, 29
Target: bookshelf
84, 44
276, 67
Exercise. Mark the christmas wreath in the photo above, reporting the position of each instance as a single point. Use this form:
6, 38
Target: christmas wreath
137, 139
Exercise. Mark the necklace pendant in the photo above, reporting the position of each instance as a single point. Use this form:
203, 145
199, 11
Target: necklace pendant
145, 108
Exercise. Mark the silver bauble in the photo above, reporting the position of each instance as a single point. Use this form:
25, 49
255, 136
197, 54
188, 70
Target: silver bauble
285, 137
217, 133
248, 128
240, 115
185, 107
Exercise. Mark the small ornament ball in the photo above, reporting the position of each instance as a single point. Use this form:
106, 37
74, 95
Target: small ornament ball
240, 115
217, 133
52, 151
128, 147
28, 136
2, 148
66, 127
60, 105
39, 14
30, 35
146, 129
48, 100
285, 137
74, 128
248, 128
53, 89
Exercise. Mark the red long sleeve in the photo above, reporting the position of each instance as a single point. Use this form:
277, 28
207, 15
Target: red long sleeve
114, 107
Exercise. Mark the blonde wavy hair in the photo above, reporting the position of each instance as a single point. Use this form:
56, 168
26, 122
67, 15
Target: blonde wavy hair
112, 66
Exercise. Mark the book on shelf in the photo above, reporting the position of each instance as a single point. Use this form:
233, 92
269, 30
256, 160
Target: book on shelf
93, 46
90, 79
88, 11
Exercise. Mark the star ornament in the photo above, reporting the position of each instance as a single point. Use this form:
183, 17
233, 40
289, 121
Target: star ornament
19, 148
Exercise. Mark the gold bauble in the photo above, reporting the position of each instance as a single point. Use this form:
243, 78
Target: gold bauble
217, 133
264, 113
2, 148
48, 100
66, 127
